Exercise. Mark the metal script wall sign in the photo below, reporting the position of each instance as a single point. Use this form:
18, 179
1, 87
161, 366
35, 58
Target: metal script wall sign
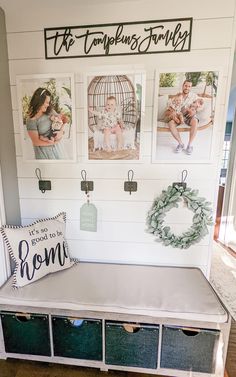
127, 38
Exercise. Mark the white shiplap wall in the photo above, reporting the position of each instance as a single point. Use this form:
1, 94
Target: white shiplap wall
121, 232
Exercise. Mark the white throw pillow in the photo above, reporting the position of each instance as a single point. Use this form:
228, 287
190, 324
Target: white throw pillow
37, 249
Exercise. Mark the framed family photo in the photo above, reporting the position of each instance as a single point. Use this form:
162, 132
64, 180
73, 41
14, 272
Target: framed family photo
184, 116
114, 109
47, 117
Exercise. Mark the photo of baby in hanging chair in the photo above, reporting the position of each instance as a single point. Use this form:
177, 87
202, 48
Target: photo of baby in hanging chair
114, 117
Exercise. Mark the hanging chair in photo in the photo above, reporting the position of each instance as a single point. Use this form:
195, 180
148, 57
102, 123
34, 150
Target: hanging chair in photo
122, 88
119, 86
205, 116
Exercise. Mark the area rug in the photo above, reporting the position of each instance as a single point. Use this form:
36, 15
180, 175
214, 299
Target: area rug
223, 277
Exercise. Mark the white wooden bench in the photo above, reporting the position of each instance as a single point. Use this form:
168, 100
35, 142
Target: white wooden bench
150, 319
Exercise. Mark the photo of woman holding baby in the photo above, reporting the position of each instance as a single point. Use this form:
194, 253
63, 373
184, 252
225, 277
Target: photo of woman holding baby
47, 132
184, 114
45, 139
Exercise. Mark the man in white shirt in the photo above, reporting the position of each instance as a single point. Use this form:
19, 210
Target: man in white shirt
191, 121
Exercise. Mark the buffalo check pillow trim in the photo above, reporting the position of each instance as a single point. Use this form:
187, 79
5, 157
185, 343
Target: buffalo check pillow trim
38, 249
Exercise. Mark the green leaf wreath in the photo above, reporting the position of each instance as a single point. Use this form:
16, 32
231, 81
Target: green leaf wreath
170, 199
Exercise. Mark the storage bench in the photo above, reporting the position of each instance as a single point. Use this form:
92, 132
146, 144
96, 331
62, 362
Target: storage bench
150, 319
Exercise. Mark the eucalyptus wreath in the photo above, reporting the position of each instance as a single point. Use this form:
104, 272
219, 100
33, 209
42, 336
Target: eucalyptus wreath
169, 199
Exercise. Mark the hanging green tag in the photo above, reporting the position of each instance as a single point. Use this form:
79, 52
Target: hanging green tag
88, 217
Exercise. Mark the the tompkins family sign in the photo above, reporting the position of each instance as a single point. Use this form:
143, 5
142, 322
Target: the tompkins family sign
127, 38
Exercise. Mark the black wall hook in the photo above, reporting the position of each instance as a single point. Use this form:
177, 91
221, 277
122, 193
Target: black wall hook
183, 184
130, 185
43, 185
86, 185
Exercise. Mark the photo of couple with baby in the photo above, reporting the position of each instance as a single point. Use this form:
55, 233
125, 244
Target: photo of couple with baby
47, 122
185, 109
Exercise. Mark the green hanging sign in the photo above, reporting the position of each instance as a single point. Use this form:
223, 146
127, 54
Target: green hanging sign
88, 217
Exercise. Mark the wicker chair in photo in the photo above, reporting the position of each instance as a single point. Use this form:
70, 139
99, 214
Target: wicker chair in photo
121, 87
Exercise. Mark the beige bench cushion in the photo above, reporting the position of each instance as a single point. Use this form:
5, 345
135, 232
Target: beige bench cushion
172, 292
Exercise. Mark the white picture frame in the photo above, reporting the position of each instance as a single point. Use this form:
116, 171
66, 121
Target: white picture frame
62, 99
205, 84
128, 88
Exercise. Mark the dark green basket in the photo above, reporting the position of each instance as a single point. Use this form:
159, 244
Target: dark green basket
189, 349
80, 339
26, 333
138, 348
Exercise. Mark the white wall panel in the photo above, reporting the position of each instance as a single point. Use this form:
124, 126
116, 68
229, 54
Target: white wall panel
122, 211
211, 34
195, 60
134, 253
218, 31
16, 121
79, 12
18, 145
111, 232
107, 189
107, 210
18, 45
106, 171
121, 235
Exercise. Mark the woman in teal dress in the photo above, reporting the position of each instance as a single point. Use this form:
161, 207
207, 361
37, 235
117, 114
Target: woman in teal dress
39, 127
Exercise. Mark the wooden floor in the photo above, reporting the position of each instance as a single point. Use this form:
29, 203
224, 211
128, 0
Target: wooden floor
22, 368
